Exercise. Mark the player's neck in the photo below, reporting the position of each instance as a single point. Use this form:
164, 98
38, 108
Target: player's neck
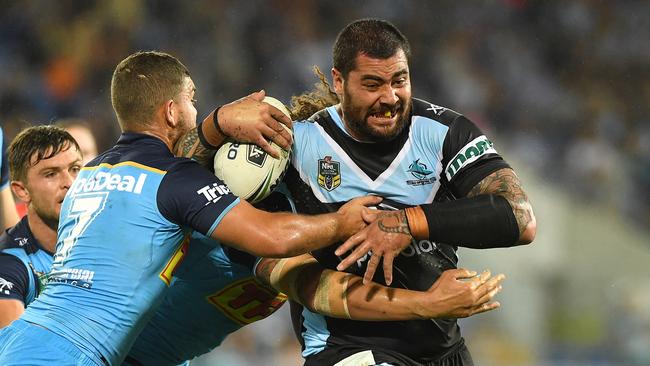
43, 233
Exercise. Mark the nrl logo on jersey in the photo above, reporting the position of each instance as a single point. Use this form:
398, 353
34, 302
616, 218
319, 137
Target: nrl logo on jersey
329, 173
421, 172
471, 152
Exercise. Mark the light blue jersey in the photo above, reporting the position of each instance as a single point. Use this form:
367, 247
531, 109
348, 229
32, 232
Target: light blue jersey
213, 294
121, 236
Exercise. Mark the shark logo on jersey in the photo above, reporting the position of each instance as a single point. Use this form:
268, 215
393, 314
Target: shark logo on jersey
256, 155
329, 173
5, 286
420, 171
471, 152
438, 110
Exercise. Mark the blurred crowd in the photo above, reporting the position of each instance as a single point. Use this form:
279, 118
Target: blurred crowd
562, 86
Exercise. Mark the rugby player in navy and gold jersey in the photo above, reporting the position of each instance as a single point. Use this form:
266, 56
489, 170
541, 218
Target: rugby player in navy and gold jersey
125, 222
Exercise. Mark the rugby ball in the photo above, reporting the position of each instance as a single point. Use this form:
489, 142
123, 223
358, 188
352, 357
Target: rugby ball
248, 171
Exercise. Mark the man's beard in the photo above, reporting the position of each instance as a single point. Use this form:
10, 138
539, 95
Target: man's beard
362, 129
51, 221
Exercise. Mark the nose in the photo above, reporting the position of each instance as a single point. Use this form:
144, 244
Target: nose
66, 179
388, 95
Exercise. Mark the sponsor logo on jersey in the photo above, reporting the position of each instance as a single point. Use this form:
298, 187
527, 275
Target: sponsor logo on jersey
255, 155
213, 192
105, 181
329, 173
42, 278
247, 301
21, 241
437, 110
421, 172
72, 276
5, 286
468, 154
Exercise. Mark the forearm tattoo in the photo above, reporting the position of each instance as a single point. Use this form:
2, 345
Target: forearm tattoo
394, 222
190, 146
505, 183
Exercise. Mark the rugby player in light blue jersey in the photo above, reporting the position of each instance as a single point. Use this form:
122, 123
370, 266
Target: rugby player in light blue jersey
43, 162
125, 222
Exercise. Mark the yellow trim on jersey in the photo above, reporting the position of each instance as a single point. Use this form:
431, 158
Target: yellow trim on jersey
131, 163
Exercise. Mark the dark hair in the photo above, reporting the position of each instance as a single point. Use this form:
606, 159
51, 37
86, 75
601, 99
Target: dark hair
141, 82
373, 37
42, 141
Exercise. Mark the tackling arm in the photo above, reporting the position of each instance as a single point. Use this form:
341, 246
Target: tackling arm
342, 295
281, 234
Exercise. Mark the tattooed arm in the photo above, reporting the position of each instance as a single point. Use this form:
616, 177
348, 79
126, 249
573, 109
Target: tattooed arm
190, 146
505, 183
342, 295
496, 213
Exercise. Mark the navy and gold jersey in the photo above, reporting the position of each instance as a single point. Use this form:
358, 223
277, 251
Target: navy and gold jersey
123, 229
440, 155
24, 264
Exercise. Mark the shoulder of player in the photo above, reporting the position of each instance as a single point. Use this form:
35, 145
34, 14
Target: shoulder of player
18, 237
12, 262
319, 118
434, 112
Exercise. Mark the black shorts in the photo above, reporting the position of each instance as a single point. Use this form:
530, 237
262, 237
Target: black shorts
361, 356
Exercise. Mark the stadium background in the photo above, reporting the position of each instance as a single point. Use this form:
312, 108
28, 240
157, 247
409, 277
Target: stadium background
562, 87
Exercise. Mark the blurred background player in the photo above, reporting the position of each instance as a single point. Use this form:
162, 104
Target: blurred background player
442, 182
82, 133
43, 162
132, 206
8, 214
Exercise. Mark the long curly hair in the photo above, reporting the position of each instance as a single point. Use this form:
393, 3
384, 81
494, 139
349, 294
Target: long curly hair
322, 96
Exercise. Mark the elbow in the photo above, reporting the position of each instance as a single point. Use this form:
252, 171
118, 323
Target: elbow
528, 234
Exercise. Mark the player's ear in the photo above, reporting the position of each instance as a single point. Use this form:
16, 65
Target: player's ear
337, 78
21, 191
170, 112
